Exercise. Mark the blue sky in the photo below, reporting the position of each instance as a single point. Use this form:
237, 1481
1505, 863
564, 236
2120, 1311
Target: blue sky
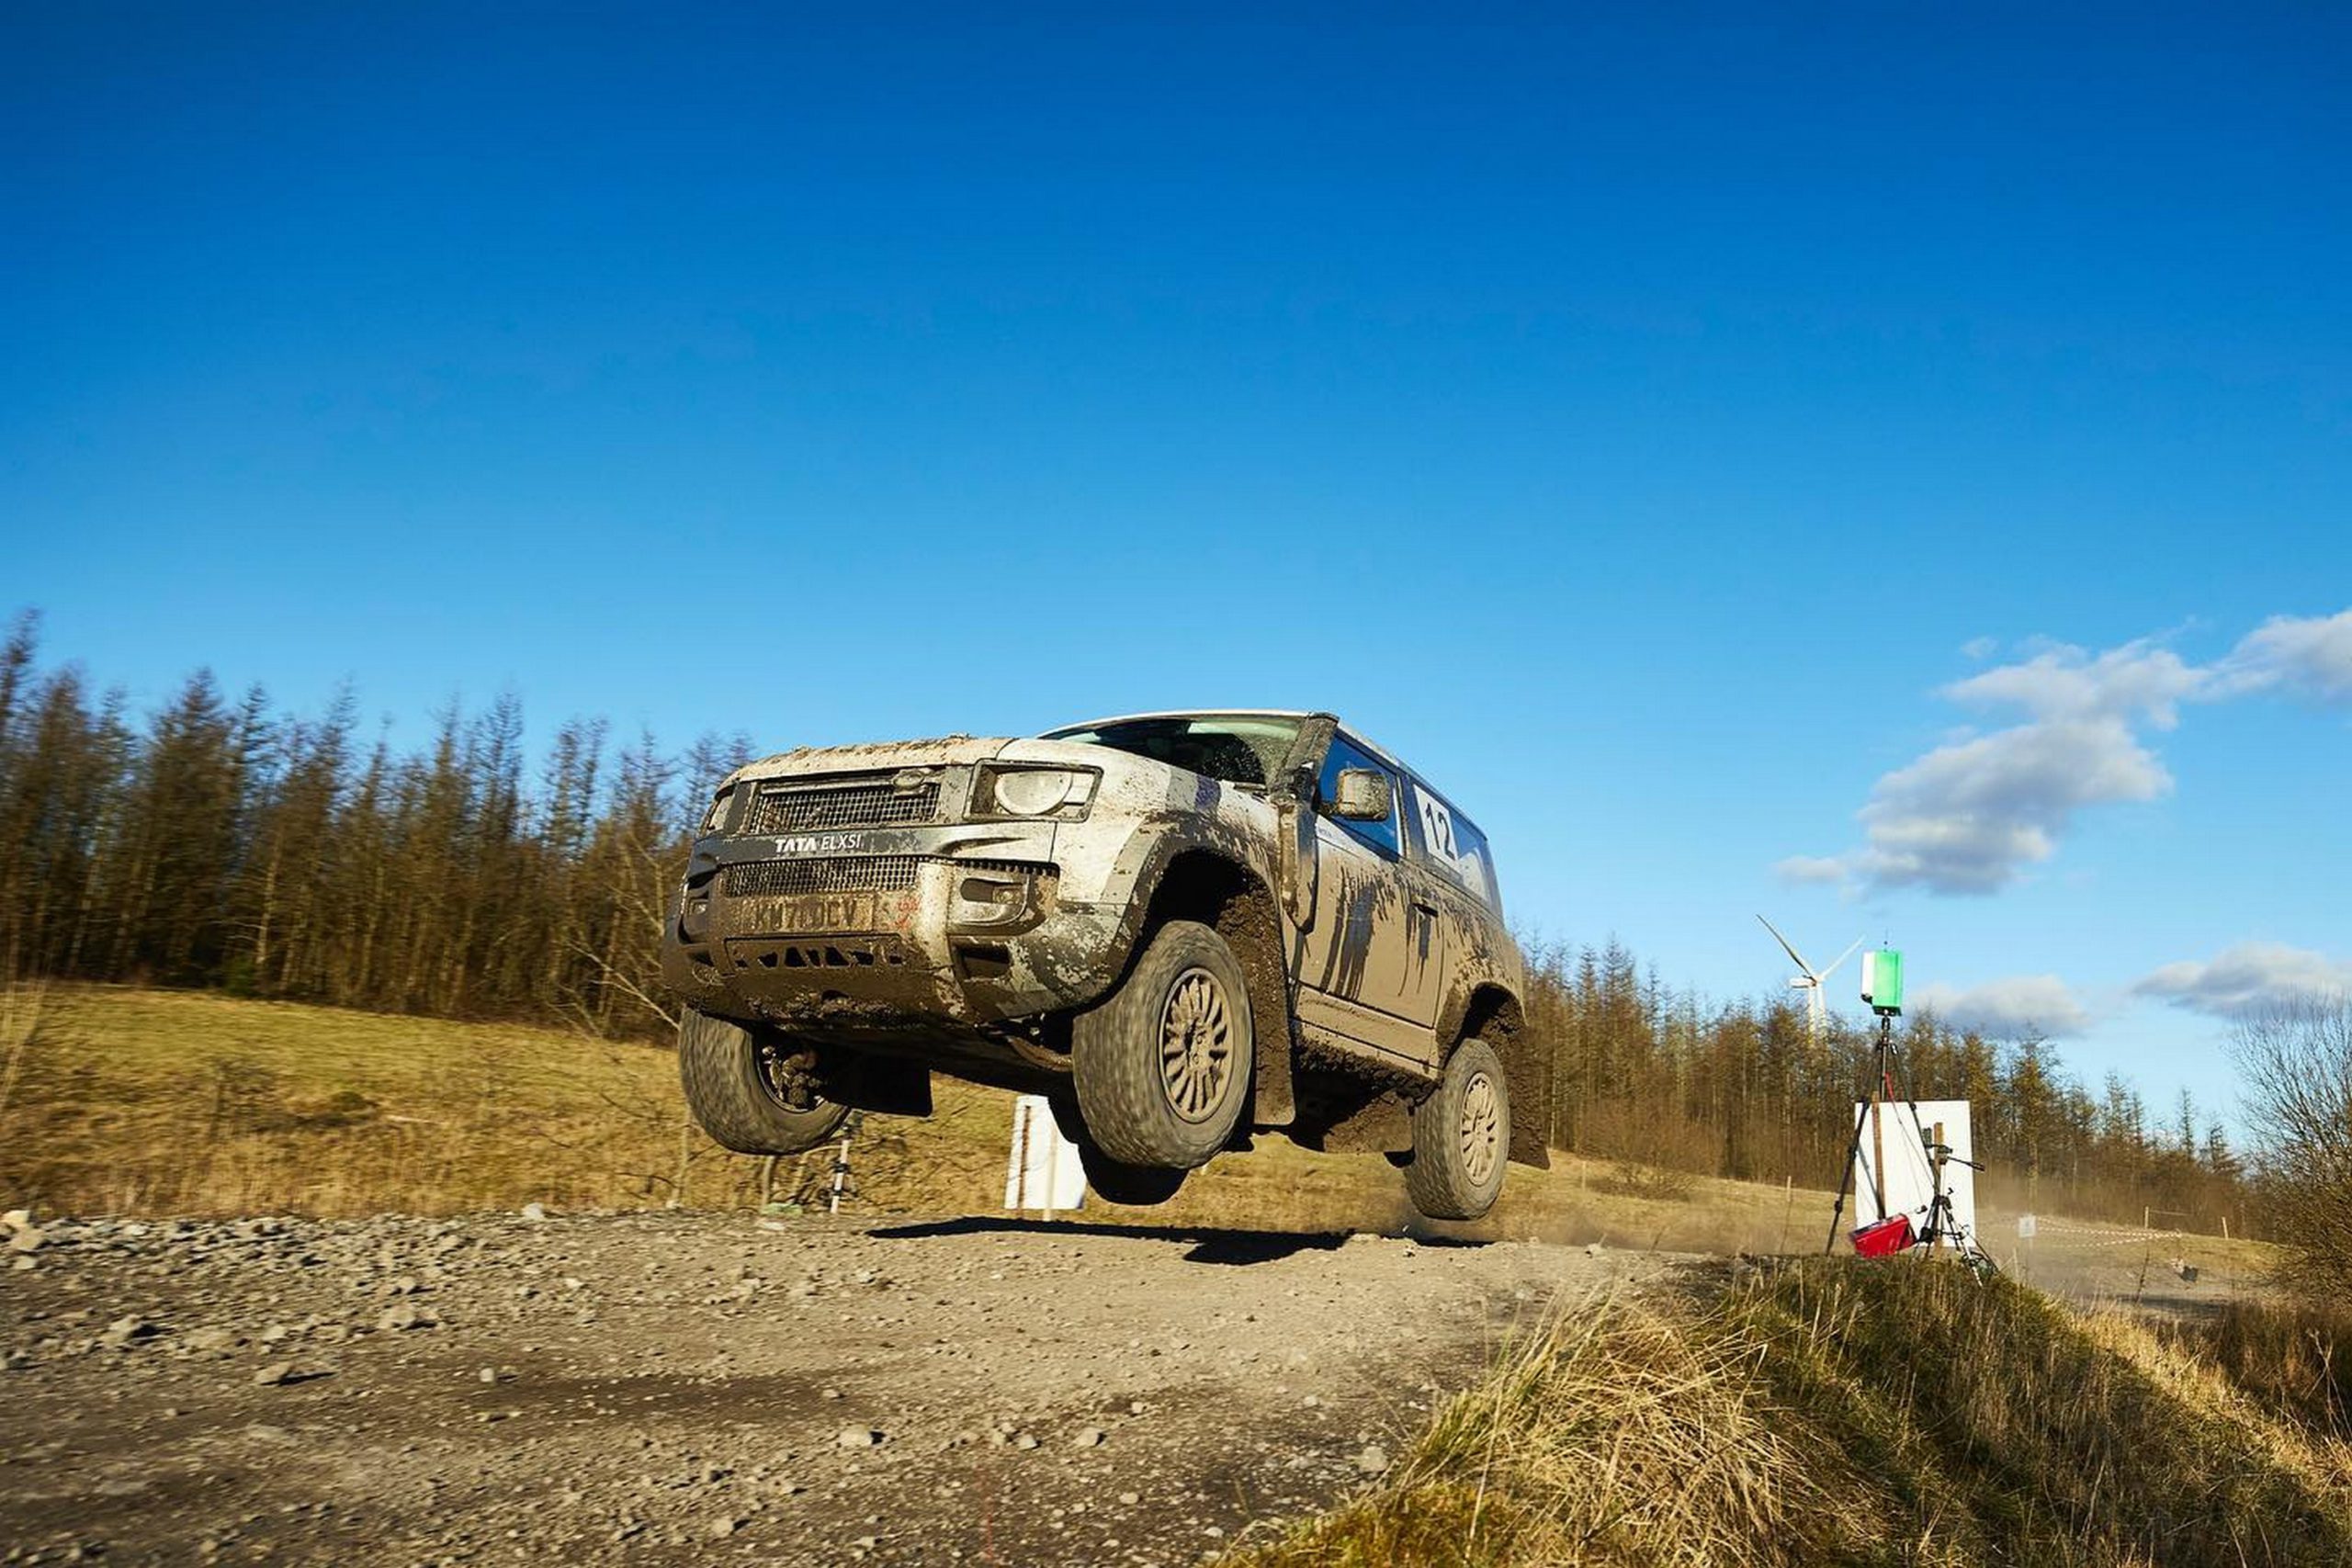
1642, 420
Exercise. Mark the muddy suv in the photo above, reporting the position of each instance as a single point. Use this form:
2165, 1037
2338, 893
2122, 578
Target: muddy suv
1182, 929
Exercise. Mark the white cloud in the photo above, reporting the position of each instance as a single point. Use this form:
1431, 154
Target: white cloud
1977, 650
2249, 978
1970, 818
2008, 1008
2311, 658
2068, 684
1975, 814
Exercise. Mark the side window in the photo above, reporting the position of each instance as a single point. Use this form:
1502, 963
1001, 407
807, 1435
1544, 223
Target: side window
1454, 846
1343, 755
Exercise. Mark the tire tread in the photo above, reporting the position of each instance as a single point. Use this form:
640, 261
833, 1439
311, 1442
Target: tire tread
1437, 1180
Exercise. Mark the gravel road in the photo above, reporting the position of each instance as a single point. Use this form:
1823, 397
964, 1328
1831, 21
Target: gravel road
714, 1388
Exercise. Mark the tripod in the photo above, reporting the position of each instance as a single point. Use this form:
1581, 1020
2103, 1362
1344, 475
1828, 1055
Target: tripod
1942, 1221
1882, 1090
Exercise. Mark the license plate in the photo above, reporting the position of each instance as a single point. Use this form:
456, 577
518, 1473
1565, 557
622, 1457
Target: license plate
816, 912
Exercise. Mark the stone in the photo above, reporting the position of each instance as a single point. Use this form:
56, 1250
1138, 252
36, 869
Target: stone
1090, 1438
535, 1212
276, 1373
125, 1331
1373, 1461
397, 1319
859, 1438
16, 1220
26, 1240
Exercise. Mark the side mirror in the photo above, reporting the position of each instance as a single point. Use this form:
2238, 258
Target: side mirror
1363, 796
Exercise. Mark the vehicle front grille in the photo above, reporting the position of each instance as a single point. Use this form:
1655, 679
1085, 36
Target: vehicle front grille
862, 874
795, 805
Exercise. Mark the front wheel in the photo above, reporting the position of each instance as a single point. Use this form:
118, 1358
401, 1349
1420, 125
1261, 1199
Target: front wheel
753, 1092
1161, 1069
1461, 1137
1114, 1181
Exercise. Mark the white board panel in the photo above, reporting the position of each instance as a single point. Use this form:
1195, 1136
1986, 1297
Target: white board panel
1910, 1180
1045, 1172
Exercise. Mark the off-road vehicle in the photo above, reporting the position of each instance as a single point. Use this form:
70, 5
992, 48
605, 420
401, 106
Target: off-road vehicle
1182, 928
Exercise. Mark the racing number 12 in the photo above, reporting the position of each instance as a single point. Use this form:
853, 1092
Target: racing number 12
1437, 828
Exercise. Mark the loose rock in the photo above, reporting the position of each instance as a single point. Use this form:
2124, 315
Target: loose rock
400, 1318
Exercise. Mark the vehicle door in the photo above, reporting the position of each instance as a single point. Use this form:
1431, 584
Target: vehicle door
1450, 859
1373, 961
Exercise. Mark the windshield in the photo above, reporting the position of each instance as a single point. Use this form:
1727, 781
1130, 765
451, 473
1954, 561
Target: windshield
1238, 749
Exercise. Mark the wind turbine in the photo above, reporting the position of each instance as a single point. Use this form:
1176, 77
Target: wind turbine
1816, 1002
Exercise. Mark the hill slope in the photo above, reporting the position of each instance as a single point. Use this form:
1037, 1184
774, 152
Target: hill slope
144, 1101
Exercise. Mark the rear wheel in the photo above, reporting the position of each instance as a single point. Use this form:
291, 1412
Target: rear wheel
1461, 1137
1161, 1069
753, 1090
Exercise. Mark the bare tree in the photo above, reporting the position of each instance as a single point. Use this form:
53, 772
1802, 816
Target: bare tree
2296, 1061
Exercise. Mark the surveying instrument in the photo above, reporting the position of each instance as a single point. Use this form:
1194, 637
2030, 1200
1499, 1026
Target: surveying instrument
1889, 1234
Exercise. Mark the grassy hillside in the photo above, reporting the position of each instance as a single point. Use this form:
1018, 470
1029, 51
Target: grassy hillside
141, 1101
1842, 1413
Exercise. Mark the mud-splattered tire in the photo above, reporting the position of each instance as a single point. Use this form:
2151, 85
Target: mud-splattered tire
1461, 1137
740, 1087
1136, 1186
1133, 1186
1162, 1068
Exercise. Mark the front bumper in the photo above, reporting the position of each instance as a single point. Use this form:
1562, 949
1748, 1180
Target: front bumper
882, 932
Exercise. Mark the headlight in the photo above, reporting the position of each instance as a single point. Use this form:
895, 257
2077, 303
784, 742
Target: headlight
1033, 792
716, 818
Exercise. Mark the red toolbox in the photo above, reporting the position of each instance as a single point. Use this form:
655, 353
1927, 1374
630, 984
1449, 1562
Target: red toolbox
1884, 1239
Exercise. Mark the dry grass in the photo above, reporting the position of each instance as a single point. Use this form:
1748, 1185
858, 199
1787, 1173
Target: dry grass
1835, 1413
1626, 1434
2017, 1430
2290, 1355
115, 1099
134, 1101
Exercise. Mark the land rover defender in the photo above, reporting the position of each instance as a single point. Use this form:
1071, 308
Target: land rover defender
1183, 929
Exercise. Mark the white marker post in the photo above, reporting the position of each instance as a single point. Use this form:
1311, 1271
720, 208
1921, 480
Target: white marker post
1045, 1173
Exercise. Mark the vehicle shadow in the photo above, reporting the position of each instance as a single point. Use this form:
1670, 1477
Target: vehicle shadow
1211, 1244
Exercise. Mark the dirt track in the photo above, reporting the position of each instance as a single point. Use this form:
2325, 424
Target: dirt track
712, 1388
